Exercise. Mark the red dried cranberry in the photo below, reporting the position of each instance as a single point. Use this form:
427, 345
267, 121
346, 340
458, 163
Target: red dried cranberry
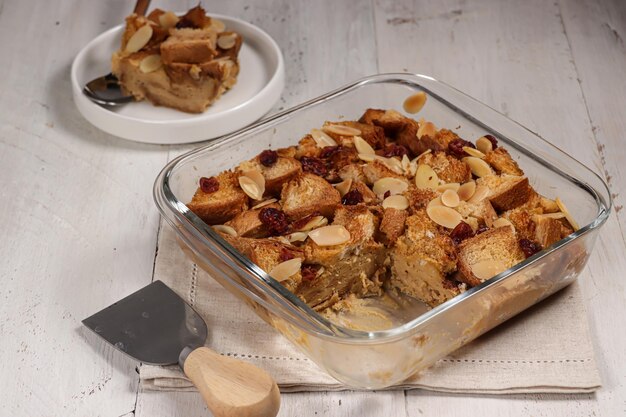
395, 150
274, 219
493, 140
455, 147
481, 229
285, 254
268, 157
313, 165
352, 198
209, 185
309, 272
387, 194
461, 232
529, 247
329, 151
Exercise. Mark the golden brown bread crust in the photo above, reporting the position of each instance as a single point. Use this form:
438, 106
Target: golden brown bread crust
373, 135
307, 194
392, 225
277, 174
222, 205
508, 192
501, 161
547, 230
447, 167
248, 224
375, 170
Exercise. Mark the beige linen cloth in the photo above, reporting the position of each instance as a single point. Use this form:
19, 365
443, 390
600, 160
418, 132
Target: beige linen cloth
544, 349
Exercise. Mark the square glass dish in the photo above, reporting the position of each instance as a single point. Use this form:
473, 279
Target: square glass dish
377, 359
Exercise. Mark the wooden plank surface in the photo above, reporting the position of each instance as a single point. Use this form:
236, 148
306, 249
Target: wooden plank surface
556, 67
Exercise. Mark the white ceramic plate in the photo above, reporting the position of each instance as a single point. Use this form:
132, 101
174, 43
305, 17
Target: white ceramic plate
259, 85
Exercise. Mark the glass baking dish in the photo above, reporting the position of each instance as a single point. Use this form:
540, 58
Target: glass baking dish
377, 359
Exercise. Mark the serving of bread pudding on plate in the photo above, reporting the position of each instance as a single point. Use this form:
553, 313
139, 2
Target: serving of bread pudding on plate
385, 203
185, 62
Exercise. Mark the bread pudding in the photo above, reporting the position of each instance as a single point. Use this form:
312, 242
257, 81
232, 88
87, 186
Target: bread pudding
381, 204
185, 63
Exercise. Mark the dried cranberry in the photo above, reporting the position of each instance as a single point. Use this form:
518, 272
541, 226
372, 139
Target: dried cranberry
275, 220
352, 198
455, 147
313, 165
461, 232
268, 157
493, 140
481, 229
309, 272
387, 194
209, 185
529, 247
285, 254
395, 150
329, 151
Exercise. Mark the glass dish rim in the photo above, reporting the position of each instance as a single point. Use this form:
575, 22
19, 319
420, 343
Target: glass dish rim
335, 332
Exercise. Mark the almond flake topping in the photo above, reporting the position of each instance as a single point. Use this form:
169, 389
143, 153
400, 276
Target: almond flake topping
567, 214
322, 139
393, 185
473, 152
285, 270
479, 167
344, 186
139, 39
252, 183
481, 192
168, 20
467, 190
341, 130
227, 41
217, 25
330, 235
426, 177
264, 203
557, 216
488, 268
398, 201
449, 186
314, 223
414, 103
444, 216
450, 198
362, 147
150, 63
502, 222
222, 228
297, 237
484, 145
426, 129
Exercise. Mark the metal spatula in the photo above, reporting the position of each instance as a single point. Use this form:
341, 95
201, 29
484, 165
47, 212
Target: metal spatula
154, 325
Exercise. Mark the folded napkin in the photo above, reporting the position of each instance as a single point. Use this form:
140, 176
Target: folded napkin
544, 349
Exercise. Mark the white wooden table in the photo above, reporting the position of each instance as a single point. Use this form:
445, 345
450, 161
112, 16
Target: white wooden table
79, 226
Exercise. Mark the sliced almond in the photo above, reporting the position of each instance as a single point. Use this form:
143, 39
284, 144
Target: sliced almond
480, 194
330, 235
344, 186
444, 216
426, 152
297, 237
567, 214
414, 103
479, 167
367, 157
217, 25
393, 164
256, 176
406, 164
488, 268
250, 187
484, 145
139, 39
557, 216
502, 222
362, 146
435, 202
473, 152
426, 129
449, 186
150, 63
168, 20
398, 201
227, 40
314, 223
222, 228
467, 190
341, 130
450, 198
286, 269
322, 139
393, 185
426, 177
264, 203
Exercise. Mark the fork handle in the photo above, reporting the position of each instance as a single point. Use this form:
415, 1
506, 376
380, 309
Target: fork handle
141, 7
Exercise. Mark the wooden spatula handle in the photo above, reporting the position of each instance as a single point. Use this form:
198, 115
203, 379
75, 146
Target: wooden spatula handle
230, 387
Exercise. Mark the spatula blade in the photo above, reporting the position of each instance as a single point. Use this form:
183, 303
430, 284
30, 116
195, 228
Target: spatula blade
152, 325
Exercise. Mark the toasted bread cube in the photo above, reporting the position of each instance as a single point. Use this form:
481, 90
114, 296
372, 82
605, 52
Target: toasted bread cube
308, 193
347, 267
522, 221
353, 172
547, 230
501, 161
308, 147
248, 224
507, 192
376, 170
419, 197
397, 127
448, 168
368, 195
421, 259
283, 170
392, 225
483, 211
189, 46
222, 205
487, 254
373, 135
